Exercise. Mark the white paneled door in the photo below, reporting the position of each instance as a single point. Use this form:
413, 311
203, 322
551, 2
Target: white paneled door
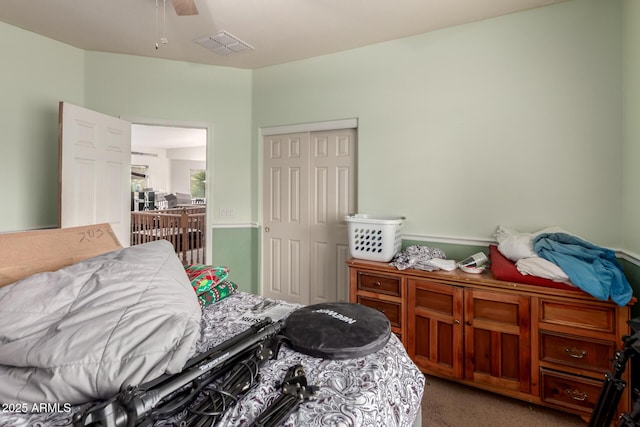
94, 170
308, 188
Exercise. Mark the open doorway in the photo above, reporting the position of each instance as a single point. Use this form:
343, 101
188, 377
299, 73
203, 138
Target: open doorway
168, 188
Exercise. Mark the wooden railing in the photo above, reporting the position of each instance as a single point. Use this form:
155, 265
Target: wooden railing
184, 227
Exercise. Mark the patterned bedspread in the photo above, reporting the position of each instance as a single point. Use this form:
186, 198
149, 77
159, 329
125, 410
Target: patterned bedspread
381, 389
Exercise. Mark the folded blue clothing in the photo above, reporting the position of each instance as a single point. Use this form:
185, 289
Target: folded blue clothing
593, 269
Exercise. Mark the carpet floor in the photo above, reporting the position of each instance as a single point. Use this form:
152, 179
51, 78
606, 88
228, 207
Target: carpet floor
449, 404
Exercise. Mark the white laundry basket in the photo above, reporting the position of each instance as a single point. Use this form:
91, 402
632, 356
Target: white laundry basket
374, 238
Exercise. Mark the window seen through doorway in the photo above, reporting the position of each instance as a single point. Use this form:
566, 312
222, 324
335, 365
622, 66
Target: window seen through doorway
198, 181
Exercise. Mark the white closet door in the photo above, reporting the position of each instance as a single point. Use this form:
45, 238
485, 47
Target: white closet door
94, 170
286, 218
308, 187
332, 196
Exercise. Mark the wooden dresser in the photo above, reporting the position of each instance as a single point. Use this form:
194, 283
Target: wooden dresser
539, 344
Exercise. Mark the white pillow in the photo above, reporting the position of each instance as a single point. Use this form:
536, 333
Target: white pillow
514, 245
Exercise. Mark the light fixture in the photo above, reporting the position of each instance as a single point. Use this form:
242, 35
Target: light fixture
163, 39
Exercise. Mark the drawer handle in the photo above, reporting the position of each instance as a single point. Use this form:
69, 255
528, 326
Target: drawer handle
577, 395
378, 284
575, 353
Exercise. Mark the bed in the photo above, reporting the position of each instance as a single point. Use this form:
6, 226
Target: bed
382, 389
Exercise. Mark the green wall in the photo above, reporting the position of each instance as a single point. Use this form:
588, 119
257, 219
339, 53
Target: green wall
631, 143
514, 120
631, 126
36, 73
230, 249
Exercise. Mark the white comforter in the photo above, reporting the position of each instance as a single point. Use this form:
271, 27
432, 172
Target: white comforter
84, 332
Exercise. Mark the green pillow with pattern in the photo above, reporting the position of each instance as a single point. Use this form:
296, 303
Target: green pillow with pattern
210, 282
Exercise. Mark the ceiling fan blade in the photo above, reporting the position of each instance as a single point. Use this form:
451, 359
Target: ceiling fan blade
185, 7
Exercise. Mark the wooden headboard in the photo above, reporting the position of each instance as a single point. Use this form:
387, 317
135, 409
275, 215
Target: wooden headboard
25, 253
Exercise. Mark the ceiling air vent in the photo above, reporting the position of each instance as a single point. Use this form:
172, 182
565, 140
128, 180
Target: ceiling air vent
224, 44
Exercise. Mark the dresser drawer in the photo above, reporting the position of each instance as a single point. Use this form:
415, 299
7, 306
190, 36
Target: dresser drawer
584, 353
387, 285
569, 391
390, 309
600, 318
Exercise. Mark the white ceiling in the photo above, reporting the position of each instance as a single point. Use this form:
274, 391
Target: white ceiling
279, 30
